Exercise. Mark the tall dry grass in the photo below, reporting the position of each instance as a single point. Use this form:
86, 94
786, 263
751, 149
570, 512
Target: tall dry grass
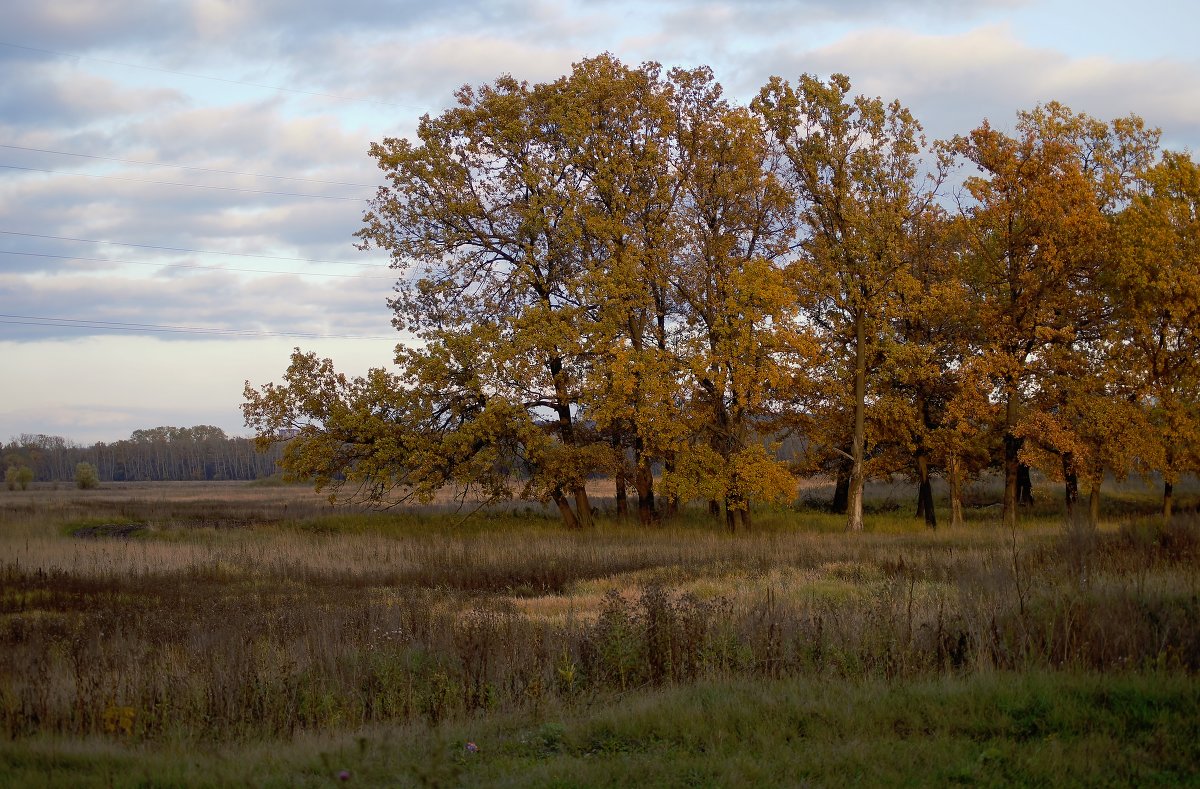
221, 614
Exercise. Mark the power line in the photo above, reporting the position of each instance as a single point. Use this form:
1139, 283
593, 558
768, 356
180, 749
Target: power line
75, 323
191, 266
182, 249
188, 167
214, 79
176, 183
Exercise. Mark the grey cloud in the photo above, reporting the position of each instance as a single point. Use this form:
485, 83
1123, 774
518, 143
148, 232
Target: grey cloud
208, 300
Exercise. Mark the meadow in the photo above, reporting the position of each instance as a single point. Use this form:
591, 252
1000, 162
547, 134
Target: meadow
198, 634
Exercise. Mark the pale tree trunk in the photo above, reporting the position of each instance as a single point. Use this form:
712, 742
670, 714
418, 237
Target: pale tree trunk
1094, 504
854, 505
954, 476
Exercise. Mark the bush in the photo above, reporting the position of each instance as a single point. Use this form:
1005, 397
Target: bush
86, 477
18, 477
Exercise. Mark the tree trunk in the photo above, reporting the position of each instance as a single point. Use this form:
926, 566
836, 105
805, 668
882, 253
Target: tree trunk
954, 475
1012, 446
1070, 483
643, 482
1024, 486
621, 495
671, 509
583, 506
854, 508
1094, 505
1168, 505
566, 433
841, 488
925, 491
714, 507
564, 508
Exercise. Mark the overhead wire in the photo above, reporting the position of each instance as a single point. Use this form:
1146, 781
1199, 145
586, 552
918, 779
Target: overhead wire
188, 167
176, 183
184, 249
78, 323
199, 266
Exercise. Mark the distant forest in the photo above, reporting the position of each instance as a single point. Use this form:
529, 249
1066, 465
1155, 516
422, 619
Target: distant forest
157, 454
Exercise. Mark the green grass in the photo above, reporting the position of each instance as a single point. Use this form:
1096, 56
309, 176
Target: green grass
1037, 729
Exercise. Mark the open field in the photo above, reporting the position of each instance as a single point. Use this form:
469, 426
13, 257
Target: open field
197, 633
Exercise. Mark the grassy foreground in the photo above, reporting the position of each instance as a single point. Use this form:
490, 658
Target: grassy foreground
226, 635
1030, 730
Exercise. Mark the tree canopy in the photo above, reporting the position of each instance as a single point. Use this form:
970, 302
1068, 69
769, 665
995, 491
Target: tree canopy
622, 273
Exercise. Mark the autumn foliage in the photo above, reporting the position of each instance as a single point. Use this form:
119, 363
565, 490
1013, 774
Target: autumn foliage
622, 273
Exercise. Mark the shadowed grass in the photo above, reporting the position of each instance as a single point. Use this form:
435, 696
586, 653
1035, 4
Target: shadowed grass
988, 730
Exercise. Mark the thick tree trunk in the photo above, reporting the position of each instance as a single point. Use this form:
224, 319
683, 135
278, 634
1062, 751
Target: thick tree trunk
583, 506
737, 512
854, 507
564, 508
841, 489
1070, 483
1024, 486
643, 482
925, 491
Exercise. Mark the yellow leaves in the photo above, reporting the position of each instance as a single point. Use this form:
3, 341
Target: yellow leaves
621, 268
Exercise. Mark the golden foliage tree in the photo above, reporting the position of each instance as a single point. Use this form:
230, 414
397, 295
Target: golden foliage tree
854, 166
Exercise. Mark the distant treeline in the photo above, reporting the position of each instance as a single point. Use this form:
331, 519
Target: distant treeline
202, 452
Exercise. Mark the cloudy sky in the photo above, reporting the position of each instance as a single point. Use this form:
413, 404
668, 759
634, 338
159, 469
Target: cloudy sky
180, 180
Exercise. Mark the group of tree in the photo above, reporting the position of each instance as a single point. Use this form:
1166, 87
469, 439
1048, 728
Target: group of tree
623, 273
202, 452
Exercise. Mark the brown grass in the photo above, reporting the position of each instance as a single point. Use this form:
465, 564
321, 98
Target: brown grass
222, 611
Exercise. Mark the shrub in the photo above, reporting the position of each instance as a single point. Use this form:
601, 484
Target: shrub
15, 477
86, 477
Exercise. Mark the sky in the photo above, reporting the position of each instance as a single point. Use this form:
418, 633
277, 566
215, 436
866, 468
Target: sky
180, 181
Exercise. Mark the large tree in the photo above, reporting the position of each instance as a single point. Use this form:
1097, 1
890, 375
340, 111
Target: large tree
856, 176
1038, 238
1158, 312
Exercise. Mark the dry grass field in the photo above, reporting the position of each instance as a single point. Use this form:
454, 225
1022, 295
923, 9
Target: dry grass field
285, 638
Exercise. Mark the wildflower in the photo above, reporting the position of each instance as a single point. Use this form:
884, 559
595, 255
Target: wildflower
344, 775
472, 747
